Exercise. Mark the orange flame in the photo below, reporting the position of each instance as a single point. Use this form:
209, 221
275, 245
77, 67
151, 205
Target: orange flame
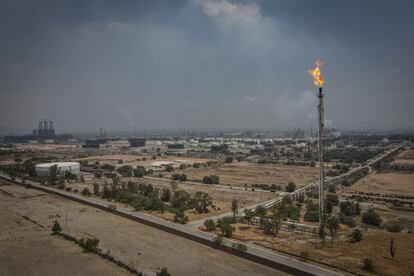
316, 74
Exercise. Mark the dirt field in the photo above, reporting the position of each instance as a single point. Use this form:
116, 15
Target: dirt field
405, 157
28, 249
349, 256
385, 183
145, 247
245, 173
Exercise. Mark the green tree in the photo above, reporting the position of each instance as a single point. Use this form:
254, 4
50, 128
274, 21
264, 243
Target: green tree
271, 225
332, 224
166, 195
56, 229
53, 175
201, 202
234, 207
248, 214
229, 159
291, 187
260, 211
393, 248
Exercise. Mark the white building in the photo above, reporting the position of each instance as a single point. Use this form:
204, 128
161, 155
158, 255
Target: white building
72, 167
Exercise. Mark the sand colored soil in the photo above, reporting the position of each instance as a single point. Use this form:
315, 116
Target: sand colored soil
144, 247
243, 174
346, 255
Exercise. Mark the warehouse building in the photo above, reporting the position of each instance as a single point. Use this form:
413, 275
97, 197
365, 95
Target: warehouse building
44, 168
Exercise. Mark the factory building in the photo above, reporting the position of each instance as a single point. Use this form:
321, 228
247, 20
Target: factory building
137, 142
44, 168
176, 149
45, 130
219, 148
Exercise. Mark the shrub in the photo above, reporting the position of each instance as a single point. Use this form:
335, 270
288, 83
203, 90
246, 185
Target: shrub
60, 186
239, 246
163, 272
368, 265
393, 226
347, 220
218, 239
169, 168
210, 224
179, 177
212, 179
356, 235
226, 230
91, 244
311, 216
86, 192
125, 170
56, 229
304, 255
229, 159
371, 217
139, 172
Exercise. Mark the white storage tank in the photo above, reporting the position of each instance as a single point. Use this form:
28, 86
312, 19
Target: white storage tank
72, 167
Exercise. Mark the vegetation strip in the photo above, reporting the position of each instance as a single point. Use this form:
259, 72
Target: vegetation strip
246, 255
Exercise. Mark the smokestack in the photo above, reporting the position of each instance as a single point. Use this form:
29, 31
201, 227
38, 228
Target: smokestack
321, 163
40, 125
50, 125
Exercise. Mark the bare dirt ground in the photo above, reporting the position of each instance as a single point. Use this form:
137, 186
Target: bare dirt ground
346, 255
405, 157
142, 246
243, 174
385, 183
27, 248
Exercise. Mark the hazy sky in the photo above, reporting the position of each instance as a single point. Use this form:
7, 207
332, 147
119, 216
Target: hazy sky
205, 63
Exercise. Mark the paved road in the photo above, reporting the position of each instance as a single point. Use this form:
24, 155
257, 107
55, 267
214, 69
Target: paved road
262, 255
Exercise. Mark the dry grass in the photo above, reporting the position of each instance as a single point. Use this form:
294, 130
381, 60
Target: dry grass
346, 255
243, 174
385, 183
405, 157
145, 247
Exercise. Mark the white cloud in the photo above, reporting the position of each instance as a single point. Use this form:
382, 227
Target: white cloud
239, 11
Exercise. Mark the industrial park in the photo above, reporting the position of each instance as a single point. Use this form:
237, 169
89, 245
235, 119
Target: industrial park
195, 164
